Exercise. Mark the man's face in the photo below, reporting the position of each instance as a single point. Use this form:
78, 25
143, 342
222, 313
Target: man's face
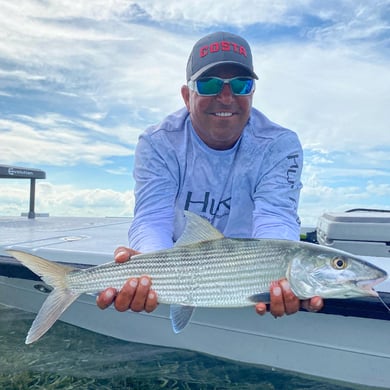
219, 120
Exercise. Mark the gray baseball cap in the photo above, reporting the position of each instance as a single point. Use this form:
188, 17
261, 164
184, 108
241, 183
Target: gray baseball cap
216, 49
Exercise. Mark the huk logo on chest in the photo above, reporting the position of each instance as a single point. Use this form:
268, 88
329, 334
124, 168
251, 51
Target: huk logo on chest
210, 206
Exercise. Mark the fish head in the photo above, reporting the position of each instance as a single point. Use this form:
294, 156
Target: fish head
329, 273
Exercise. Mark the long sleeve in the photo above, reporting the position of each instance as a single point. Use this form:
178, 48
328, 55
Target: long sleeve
277, 192
155, 192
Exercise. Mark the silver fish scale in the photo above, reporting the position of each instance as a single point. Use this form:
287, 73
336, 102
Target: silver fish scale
217, 273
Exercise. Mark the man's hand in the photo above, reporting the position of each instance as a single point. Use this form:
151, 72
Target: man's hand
283, 301
136, 294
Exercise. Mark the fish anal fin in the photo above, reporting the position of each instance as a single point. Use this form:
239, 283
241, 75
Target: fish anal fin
56, 303
180, 316
197, 229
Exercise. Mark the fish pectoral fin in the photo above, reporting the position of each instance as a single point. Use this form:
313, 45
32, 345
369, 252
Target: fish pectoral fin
260, 297
197, 229
180, 316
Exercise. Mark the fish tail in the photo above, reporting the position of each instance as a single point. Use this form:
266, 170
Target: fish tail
56, 303
58, 300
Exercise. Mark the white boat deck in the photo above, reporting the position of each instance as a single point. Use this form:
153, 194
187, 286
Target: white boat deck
79, 240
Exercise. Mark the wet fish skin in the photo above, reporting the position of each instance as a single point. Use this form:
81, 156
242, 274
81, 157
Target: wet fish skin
206, 269
227, 272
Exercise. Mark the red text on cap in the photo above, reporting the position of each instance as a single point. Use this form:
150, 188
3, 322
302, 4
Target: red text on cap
222, 46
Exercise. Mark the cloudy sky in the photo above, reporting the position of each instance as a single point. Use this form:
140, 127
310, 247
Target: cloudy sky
79, 81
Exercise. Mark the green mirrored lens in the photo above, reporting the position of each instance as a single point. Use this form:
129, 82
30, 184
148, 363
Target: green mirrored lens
241, 86
212, 86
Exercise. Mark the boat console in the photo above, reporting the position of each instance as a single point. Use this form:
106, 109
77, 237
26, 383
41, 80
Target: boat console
364, 232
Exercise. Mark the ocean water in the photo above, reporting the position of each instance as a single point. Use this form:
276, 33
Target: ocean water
72, 358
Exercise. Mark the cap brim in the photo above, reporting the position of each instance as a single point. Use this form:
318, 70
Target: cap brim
203, 70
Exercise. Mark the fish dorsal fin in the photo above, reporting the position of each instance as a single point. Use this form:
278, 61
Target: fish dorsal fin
180, 316
197, 229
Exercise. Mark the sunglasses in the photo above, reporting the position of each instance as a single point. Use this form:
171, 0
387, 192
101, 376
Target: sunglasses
212, 86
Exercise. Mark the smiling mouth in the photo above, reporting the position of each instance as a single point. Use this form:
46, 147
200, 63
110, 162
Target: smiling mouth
223, 114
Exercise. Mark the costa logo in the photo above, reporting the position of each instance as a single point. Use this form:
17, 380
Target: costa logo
222, 46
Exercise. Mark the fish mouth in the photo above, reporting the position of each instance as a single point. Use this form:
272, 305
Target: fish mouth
367, 285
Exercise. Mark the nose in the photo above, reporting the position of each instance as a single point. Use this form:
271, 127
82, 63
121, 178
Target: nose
226, 96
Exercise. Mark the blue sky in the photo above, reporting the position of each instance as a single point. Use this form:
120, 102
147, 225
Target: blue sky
79, 81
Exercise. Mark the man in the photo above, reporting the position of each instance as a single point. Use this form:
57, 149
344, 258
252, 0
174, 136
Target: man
220, 158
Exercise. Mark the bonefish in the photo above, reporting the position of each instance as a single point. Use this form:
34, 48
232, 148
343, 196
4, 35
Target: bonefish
206, 269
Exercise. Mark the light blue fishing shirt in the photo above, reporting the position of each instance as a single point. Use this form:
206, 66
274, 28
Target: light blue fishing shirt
250, 190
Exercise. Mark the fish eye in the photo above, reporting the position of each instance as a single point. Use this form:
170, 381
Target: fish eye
339, 263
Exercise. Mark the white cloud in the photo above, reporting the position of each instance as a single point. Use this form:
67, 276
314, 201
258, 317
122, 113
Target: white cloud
65, 200
331, 96
85, 78
204, 12
350, 16
52, 140
143, 66
382, 190
334, 188
352, 20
